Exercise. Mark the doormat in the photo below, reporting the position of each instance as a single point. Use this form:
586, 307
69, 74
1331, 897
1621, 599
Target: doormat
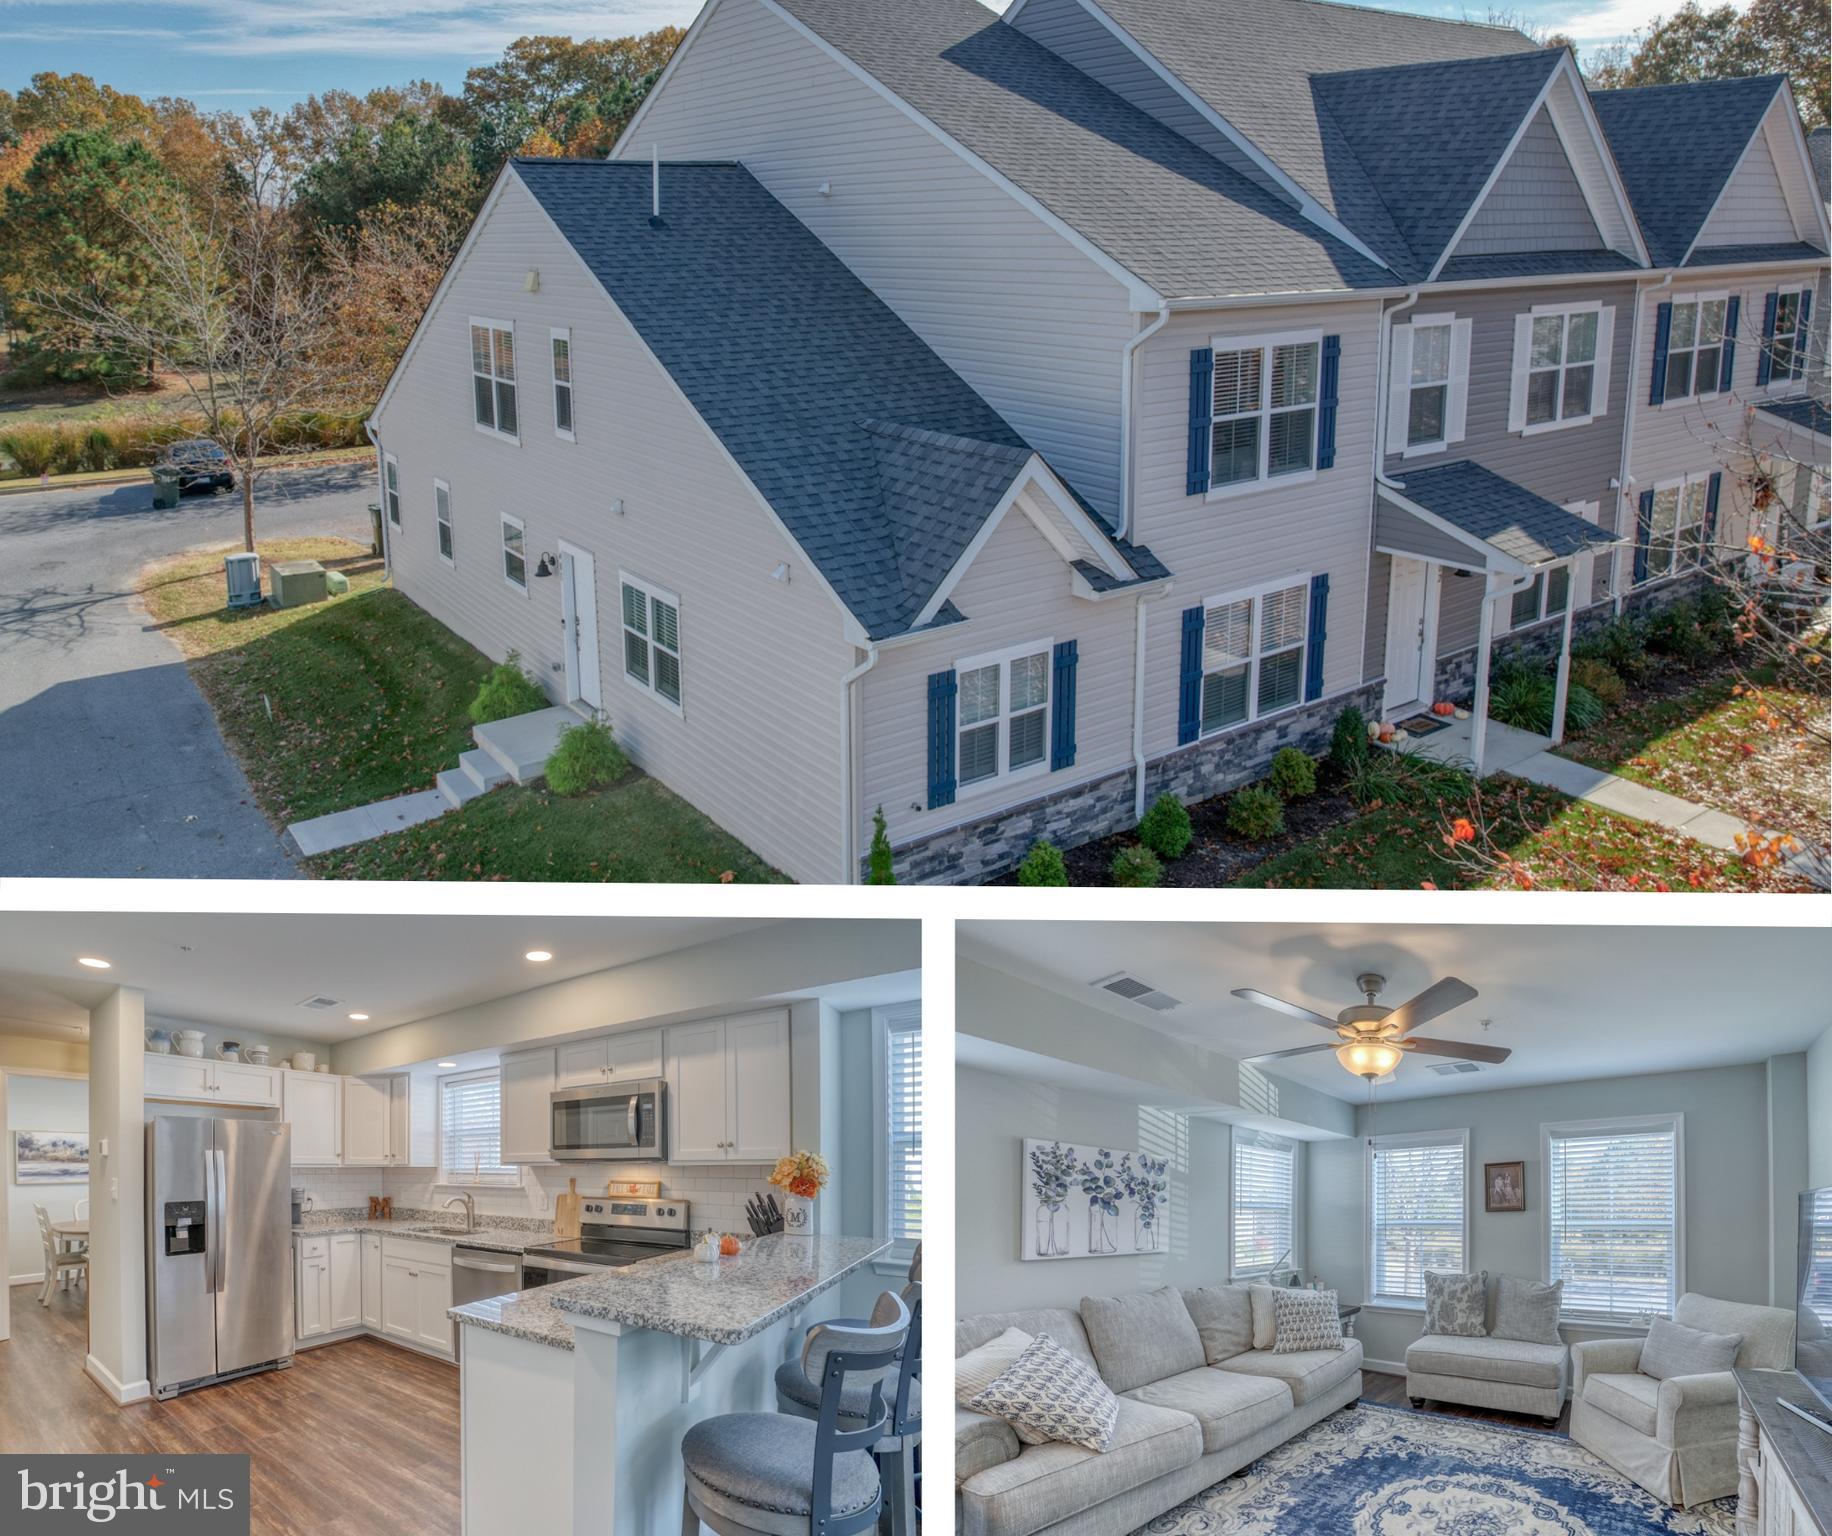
1424, 725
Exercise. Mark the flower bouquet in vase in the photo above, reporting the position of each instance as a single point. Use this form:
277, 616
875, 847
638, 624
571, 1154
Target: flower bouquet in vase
800, 1176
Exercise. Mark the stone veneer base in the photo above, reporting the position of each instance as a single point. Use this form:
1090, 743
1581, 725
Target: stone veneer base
978, 851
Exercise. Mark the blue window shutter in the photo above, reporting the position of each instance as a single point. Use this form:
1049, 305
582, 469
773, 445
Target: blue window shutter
1326, 402
1644, 529
1728, 367
1062, 705
1801, 334
1716, 484
1202, 408
1765, 361
942, 689
1663, 330
1319, 632
1189, 690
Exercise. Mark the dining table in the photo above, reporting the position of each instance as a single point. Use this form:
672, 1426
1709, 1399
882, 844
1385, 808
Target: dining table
73, 1234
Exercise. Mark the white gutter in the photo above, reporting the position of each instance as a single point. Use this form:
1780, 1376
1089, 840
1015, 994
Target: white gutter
849, 823
1138, 711
1624, 480
1383, 389
1127, 354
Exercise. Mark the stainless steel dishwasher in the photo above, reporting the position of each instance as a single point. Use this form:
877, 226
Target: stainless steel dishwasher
478, 1273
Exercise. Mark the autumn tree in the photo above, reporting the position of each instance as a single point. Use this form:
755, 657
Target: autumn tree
1786, 37
57, 104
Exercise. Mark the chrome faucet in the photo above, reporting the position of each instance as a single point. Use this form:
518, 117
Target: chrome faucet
470, 1210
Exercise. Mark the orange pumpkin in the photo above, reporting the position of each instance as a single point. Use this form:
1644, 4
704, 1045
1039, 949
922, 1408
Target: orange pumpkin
728, 1245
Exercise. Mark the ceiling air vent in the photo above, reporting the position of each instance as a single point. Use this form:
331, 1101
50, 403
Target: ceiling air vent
1130, 989
1453, 1068
319, 1002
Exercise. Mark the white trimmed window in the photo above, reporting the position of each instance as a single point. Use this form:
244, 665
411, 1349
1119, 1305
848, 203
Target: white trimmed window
1561, 366
471, 1130
651, 639
515, 553
391, 488
1695, 346
1615, 1209
1261, 1212
1253, 655
1676, 534
1418, 1212
1547, 598
897, 1052
1003, 723
442, 519
1428, 393
1787, 350
493, 377
562, 385
1264, 422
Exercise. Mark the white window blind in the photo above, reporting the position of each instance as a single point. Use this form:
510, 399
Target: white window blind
902, 1191
471, 1128
1816, 1292
1612, 1203
1417, 1211
1264, 1192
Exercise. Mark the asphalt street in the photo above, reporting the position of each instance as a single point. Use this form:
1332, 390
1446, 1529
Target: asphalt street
110, 761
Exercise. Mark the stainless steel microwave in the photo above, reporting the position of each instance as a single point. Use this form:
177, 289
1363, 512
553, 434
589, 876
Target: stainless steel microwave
606, 1122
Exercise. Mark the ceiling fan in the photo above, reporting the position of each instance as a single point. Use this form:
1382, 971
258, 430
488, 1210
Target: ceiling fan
1374, 1038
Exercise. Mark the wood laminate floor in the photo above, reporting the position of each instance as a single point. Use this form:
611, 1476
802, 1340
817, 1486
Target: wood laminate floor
357, 1439
1379, 1387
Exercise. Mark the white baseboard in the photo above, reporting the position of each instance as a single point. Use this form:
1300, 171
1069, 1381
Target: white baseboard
1385, 1367
37, 1279
123, 1393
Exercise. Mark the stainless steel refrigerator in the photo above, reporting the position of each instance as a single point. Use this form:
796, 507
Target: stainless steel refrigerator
219, 1295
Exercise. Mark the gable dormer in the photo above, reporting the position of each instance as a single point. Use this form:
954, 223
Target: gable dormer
1771, 197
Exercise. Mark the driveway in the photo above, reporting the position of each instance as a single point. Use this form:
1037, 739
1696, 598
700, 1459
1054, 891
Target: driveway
110, 761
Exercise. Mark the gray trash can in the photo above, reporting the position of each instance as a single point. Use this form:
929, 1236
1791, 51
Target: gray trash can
165, 485
375, 528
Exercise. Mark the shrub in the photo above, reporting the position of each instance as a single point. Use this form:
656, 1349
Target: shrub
1136, 866
586, 757
1716, 620
1256, 813
879, 861
32, 448
1583, 709
1600, 678
71, 448
1165, 828
1621, 645
1404, 778
1293, 774
99, 449
1043, 865
1523, 699
506, 691
1348, 743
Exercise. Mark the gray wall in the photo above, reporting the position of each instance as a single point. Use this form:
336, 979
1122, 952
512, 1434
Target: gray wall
1819, 1112
993, 1115
40, 1104
1728, 1228
1786, 1083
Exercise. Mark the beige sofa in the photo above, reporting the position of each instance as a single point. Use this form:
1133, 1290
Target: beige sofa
1678, 1437
1196, 1404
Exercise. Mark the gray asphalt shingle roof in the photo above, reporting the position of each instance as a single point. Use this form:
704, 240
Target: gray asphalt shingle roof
1801, 411
1533, 264
1676, 146
881, 461
1742, 255
1518, 522
1157, 205
1819, 150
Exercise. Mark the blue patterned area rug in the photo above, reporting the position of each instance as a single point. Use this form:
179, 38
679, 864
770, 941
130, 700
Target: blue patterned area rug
1382, 1471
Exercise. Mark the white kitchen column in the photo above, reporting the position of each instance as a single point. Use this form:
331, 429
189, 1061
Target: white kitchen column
117, 1196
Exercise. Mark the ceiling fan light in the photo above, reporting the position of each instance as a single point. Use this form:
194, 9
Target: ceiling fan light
1369, 1058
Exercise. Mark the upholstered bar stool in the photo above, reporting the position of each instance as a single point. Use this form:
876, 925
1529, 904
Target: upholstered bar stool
772, 1474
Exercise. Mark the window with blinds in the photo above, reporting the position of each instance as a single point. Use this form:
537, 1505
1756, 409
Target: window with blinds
1816, 1256
471, 1128
1264, 1193
1418, 1211
1613, 1215
903, 1130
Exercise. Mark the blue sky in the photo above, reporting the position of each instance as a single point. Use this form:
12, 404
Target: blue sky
237, 54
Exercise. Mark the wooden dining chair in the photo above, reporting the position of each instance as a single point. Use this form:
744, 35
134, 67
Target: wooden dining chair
57, 1261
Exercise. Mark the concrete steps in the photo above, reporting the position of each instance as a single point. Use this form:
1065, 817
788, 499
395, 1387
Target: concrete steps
522, 744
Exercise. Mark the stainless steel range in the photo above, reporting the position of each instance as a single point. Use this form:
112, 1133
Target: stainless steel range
611, 1233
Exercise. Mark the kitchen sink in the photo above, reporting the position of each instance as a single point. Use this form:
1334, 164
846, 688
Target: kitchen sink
442, 1231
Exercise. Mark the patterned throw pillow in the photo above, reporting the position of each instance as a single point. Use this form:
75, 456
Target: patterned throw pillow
1456, 1305
1305, 1320
1052, 1394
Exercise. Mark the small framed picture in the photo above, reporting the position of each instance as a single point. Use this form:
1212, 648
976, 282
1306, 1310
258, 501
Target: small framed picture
1504, 1186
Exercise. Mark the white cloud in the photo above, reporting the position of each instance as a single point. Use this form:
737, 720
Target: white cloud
1590, 25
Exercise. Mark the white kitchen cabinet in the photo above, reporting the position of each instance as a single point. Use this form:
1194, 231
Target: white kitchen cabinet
177, 1077
365, 1122
619, 1058
205, 1081
346, 1282
312, 1303
582, 1062
728, 1089
413, 1126
312, 1104
434, 1299
527, 1088
400, 1298
238, 1083
416, 1293
372, 1280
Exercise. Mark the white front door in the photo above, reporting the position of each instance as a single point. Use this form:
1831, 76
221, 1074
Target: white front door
579, 608
1409, 641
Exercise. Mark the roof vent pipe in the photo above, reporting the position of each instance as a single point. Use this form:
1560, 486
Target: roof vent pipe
655, 183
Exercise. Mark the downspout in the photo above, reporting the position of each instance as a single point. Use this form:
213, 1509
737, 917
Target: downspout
849, 823
1624, 480
1126, 363
1138, 710
381, 490
1382, 348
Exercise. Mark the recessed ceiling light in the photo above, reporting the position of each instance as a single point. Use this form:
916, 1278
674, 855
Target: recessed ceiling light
103, 965
448, 1064
359, 1018
539, 956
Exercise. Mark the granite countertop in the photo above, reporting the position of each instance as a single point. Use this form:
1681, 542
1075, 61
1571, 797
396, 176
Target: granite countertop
497, 1239
527, 1315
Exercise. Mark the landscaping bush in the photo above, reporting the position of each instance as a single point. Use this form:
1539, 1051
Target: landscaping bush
587, 756
1621, 645
1136, 867
879, 860
1293, 774
32, 448
506, 691
1523, 698
1043, 865
1600, 678
1165, 828
1716, 620
1348, 743
1404, 778
1583, 709
1256, 813
1674, 631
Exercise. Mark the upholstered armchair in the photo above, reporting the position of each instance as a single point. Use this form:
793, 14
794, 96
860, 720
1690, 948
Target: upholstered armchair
1678, 1437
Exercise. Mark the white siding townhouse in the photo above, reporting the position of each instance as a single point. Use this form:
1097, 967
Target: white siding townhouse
1004, 420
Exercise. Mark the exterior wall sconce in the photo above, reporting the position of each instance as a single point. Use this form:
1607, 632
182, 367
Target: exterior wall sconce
545, 566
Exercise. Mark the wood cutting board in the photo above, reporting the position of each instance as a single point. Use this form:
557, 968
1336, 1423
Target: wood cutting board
566, 1211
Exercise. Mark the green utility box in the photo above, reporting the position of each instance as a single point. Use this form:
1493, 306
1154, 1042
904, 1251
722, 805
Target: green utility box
165, 485
336, 583
294, 583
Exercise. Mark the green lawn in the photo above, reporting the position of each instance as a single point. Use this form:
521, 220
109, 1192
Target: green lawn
1556, 844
